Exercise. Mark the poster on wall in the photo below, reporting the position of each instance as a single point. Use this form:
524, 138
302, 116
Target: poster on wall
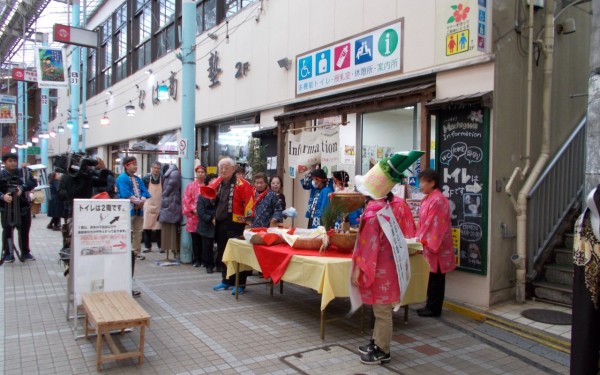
462, 29
8, 113
462, 134
50, 66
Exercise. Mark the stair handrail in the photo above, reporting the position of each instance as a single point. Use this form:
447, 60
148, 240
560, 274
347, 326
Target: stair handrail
555, 193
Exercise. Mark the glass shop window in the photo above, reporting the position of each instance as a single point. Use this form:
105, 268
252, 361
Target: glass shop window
387, 132
233, 141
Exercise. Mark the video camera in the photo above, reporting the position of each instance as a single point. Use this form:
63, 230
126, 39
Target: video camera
76, 164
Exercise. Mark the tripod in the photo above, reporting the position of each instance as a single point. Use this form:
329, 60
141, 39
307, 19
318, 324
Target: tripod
11, 219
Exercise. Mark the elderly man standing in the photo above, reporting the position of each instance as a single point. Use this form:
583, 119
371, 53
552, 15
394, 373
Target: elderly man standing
234, 204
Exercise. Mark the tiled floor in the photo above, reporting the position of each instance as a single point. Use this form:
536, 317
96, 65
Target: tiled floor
512, 311
195, 330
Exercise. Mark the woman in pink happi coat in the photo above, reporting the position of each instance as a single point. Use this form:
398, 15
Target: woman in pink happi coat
435, 232
375, 273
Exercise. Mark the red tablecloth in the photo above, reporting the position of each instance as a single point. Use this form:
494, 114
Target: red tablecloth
273, 260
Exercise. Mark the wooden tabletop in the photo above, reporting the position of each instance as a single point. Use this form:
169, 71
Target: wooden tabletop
112, 307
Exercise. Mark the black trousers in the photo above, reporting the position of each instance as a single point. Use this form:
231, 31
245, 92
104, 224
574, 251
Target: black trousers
585, 331
224, 230
54, 222
148, 234
196, 248
436, 290
23, 229
208, 256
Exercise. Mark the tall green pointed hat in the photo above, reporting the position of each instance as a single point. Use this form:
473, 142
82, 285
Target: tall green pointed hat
380, 179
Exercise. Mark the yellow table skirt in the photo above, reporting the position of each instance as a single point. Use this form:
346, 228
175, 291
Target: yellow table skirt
329, 276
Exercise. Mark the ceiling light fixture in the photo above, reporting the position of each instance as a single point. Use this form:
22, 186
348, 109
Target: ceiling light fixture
86, 124
104, 121
130, 109
60, 129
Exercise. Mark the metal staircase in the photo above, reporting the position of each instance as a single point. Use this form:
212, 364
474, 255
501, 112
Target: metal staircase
554, 204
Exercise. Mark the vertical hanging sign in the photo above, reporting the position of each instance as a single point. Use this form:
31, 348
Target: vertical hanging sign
7, 109
51, 69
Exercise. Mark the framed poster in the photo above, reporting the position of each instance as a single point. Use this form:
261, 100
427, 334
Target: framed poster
462, 162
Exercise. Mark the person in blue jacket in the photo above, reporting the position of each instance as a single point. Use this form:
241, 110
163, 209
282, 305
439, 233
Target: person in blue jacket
317, 183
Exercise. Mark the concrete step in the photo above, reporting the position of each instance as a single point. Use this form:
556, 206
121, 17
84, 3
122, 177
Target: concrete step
569, 237
563, 256
559, 293
559, 274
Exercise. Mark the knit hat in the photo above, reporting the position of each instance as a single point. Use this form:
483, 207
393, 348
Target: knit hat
199, 167
593, 204
380, 179
129, 160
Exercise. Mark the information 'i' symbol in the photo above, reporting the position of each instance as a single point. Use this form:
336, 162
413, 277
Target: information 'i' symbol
388, 42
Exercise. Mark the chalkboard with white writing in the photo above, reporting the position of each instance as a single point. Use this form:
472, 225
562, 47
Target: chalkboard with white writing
462, 162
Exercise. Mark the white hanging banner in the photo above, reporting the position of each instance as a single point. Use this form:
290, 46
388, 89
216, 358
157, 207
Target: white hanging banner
304, 151
392, 231
330, 149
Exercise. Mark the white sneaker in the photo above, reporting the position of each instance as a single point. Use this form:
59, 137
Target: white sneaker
140, 257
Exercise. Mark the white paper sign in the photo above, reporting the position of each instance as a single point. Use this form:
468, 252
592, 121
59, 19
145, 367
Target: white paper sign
101, 247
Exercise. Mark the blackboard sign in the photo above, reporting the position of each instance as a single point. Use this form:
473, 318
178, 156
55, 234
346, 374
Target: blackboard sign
462, 162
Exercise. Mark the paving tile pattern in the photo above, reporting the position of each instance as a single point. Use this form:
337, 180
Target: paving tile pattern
195, 330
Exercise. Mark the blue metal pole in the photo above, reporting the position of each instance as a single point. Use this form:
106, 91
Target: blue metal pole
83, 96
44, 128
84, 82
21, 116
25, 121
75, 79
188, 109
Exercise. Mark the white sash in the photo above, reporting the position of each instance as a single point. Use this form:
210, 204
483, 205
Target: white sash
394, 234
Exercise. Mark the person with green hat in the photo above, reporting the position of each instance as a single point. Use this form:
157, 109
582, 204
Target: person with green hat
375, 277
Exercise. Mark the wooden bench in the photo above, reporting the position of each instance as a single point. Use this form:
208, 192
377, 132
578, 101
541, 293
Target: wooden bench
109, 311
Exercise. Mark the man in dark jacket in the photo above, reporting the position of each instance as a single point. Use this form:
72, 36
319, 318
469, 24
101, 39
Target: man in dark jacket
234, 203
16, 209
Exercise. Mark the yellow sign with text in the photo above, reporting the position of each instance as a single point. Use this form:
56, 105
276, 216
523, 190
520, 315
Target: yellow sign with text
456, 244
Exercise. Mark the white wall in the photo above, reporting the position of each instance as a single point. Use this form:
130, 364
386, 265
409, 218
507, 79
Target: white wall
283, 31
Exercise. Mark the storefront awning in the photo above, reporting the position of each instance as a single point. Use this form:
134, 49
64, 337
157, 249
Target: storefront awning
348, 105
265, 132
483, 98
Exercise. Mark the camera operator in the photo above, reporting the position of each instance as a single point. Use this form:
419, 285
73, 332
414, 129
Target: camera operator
14, 187
83, 178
